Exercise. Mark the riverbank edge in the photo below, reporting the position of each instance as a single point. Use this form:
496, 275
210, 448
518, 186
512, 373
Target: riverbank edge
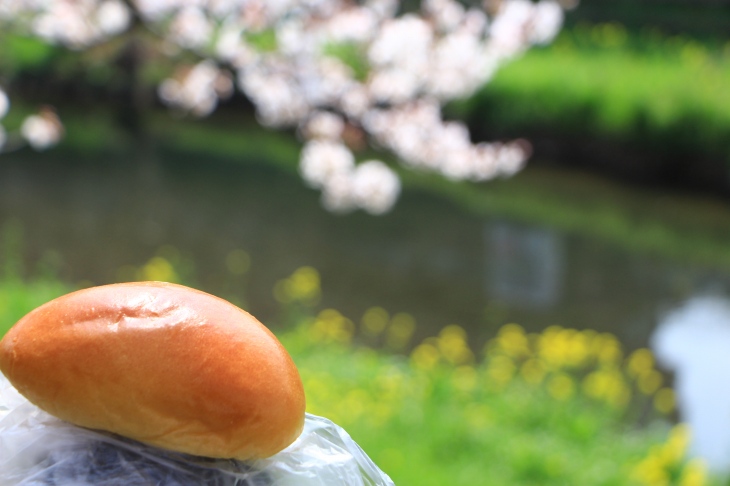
665, 224
659, 223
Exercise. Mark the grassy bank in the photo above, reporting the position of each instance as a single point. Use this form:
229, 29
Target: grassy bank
683, 228
560, 407
642, 89
655, 223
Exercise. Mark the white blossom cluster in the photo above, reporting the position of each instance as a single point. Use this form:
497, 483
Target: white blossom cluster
41, 130
4, 106
197, 89
417, 134
330, 166
332, 67
73, 23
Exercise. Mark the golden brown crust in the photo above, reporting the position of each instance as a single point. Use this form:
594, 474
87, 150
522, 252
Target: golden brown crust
160, 363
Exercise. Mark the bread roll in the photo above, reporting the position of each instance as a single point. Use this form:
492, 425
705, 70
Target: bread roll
160, 363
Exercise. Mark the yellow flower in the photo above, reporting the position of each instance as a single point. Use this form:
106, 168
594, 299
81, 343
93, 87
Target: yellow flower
666, 460
501, 370
651, 472
399, 333
331, 326
561, 348
607, 385
649, 382
532, 371
159, 269
674, 449
693, 474
513, 341
374, 321
608, 350
561, 386
453, 347
302, 286
664, 400
640, 362
425, 357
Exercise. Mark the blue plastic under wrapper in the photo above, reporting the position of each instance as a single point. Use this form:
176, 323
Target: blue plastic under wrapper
37, 449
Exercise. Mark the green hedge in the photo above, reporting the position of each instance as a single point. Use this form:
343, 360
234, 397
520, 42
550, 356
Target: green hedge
661, 93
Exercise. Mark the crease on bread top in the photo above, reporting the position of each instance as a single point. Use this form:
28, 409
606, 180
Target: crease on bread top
160, 363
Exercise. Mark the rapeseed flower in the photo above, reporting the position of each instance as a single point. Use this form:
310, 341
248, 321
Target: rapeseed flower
666, 464
302, 287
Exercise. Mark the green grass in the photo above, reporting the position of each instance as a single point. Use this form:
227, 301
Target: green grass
656, 91
17, 298
17, 295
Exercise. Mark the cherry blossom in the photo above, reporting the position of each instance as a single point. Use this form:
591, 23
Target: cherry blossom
326, 68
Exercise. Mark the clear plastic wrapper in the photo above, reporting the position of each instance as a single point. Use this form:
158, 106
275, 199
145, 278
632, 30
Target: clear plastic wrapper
37, 449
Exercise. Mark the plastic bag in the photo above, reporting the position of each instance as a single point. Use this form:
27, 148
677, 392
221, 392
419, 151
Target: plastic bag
37, 449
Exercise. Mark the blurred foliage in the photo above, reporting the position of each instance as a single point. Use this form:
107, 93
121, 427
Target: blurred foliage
20, 53
124, 67
352, 55
263, 41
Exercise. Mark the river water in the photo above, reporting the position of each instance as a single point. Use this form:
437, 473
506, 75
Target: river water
93, 220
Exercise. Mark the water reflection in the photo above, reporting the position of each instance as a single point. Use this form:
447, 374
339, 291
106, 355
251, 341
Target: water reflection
526, 264
694, 342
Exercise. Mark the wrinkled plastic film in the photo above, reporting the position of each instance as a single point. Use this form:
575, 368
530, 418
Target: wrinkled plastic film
37, 449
